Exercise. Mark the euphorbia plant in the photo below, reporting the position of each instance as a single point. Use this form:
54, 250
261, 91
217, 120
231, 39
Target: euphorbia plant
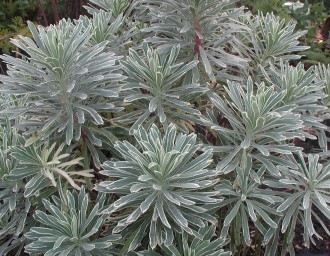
164, 189
183, 116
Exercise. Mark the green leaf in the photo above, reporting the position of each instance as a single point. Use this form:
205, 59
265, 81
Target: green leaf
232, 214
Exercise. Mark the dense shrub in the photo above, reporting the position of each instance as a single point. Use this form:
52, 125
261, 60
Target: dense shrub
187, 126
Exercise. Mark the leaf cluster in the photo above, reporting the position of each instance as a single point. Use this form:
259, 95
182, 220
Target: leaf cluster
163, 128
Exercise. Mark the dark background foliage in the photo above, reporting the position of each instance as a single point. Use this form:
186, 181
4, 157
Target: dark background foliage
314, 16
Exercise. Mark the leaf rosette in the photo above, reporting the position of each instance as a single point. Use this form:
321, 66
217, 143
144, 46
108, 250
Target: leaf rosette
163, 185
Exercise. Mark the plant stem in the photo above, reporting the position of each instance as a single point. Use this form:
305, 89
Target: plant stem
43, 14
62, 195
86, 162
55, 11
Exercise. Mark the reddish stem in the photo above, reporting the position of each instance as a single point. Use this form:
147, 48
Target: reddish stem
198, 43
83, 136
55, 11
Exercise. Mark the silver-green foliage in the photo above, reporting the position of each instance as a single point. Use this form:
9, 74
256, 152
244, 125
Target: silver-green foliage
259, 124
204, 29
302, 88
70, 228
116, 21
42, 166
272, 39
208, 245
323, 75
308, 184
104, 27
247, 201
115, 7
167, 194
162, 184
154, 87
14, 208
66, 81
